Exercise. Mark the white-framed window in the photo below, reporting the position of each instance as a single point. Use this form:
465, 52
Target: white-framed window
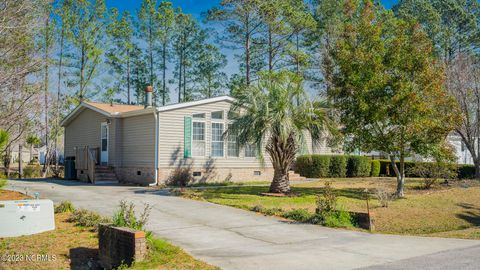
198, 116
250, 150
198, 139
217, 115
232, 146
217, 139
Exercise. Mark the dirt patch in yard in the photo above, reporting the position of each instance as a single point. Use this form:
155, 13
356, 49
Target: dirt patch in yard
11, 195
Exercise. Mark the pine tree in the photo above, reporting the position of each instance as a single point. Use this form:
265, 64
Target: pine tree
208, 75
120, 54
86, 31
166, 19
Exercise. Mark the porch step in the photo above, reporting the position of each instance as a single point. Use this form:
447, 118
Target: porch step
293, 176
104, 173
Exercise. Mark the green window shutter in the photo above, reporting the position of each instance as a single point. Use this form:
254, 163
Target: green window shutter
187, 133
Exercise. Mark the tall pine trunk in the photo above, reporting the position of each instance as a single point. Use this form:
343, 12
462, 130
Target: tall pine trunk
247, 52
164, 73
47, 51
57, 108
128, 77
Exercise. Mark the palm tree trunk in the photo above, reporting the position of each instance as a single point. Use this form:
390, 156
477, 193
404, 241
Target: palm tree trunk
282, 153
280, 182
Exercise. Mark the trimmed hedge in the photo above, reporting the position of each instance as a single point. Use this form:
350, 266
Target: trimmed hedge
466, 171
338, 166
375, 168
313, 166
322, 166
358, 166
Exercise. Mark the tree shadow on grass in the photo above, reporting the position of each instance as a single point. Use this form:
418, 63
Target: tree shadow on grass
354, 193
82, 258
471, 213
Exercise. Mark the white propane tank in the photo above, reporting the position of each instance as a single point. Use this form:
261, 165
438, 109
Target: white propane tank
26, 217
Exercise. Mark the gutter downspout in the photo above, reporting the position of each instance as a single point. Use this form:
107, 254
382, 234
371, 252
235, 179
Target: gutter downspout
157, 129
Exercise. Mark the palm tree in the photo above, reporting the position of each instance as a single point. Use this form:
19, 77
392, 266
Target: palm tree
276, 112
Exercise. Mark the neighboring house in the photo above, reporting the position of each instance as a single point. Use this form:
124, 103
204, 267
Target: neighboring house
460, 149
14, 154
42, 151
142, 144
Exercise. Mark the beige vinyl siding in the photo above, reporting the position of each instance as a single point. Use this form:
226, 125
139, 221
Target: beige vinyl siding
137, 141
171, 136
83, 130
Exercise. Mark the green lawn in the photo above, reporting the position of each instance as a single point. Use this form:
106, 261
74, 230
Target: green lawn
450, 211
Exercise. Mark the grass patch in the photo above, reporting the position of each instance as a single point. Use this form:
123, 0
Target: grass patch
449, 211
3, 183
163, 255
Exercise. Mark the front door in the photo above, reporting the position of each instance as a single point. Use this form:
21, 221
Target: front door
104, 144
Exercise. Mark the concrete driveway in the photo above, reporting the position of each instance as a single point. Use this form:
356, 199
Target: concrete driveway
236, 239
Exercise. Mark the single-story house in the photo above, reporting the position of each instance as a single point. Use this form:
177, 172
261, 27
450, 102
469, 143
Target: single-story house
145, 144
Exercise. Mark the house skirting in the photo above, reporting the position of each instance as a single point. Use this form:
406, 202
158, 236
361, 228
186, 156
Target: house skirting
145, 175
222, 174
135, 175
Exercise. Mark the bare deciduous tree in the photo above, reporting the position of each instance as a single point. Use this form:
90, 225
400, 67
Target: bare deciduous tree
463, 82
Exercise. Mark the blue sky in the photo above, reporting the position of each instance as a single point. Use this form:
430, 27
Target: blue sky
196, 7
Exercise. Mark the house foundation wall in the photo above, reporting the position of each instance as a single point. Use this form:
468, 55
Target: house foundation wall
221, 174
145, 175
135, 175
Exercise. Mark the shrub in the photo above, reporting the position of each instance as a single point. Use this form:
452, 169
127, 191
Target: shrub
300, 215
64, 207
327, 201
434, 171
383, 196
86, 218
180, 177
32, 171
466, 171
375, 168
335, 219
338, 166
125, 216
313, 166
358, 166
3, 183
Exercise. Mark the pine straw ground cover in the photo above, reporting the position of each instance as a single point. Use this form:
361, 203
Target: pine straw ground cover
76, 247
445, 211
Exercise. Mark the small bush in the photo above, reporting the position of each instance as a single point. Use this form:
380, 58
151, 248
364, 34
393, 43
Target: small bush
257, 208
375, 168
313, 166
300, 215
272, 211
3, 183
64, 207
327, 201
335, 219
125, 216
338, 166
358, 166
383, 196
180, 177
431, 172
32, 171
86, 218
